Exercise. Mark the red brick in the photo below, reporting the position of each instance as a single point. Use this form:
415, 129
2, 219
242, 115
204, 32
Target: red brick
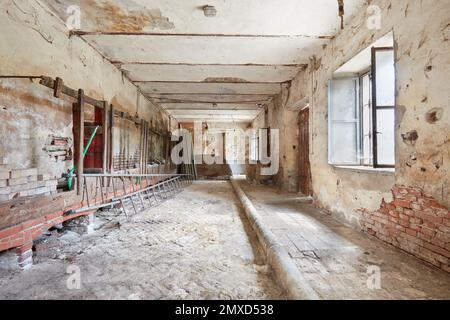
399, 209
444, 237
32, 223
446, 222
411, 232
396, 191
416, 206
444, 229
415, 226
17, 243
424, 237
24, 248
437, 249
4, 246
401, 203
427, 217
404, 223
415, 192
427, 231
391, 206
436, 204
393, 220
10, 231
438, 242
414, 220
393, 213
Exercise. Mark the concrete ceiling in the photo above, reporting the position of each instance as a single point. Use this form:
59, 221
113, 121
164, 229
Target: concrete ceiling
209, 68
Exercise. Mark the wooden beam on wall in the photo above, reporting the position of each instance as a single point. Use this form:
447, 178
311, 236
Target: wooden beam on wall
78, 134
105, 134
111, 139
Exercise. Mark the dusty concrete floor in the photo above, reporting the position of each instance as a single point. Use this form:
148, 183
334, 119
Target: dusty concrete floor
192, 247
335, 259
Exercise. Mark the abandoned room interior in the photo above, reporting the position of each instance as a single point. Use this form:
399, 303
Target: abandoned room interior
254, 149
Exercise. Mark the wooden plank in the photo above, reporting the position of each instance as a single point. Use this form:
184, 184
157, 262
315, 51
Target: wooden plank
105, 132
50, 83
78, 134
111, 140
59, 83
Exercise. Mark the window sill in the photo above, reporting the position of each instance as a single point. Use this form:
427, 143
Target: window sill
366, 169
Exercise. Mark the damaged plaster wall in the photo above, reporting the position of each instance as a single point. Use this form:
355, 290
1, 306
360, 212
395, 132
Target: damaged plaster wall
31, 119
422, 38
282, 114
36, 42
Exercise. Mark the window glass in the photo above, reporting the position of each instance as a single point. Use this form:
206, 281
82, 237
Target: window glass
344, 122
386, 136
385, 78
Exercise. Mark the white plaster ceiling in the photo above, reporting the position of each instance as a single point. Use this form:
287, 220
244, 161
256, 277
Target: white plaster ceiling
230, 64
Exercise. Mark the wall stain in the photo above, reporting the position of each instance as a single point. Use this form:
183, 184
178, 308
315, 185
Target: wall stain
434, 115
410, 138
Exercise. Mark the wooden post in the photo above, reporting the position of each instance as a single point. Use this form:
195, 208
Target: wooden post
78, 134
141, 147
111, 140
146, 147
105, 134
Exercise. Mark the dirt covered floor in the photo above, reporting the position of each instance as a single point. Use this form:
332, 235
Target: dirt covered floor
195, 246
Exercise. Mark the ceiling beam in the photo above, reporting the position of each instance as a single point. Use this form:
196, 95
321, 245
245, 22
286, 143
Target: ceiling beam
215, 120
158, 95
214, 116
222, 35
214, 112
120, 63
230, 88
161, 101
218, 82
208, 106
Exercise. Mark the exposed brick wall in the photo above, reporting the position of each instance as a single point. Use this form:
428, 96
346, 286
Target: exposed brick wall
413, 222
23, 220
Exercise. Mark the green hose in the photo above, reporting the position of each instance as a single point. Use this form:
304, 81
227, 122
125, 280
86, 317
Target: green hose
71, 173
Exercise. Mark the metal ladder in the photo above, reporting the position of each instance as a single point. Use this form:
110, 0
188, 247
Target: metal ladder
151, 196
139, 198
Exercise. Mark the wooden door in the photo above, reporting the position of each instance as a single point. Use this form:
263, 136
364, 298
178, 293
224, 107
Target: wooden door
304, 165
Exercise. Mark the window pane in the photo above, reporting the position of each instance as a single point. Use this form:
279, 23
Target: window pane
385, 78
343, 119
386, 136
367, 139
344, 139
343, 99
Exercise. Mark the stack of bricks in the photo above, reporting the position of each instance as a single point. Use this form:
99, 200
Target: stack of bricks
415, 223
19, 183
